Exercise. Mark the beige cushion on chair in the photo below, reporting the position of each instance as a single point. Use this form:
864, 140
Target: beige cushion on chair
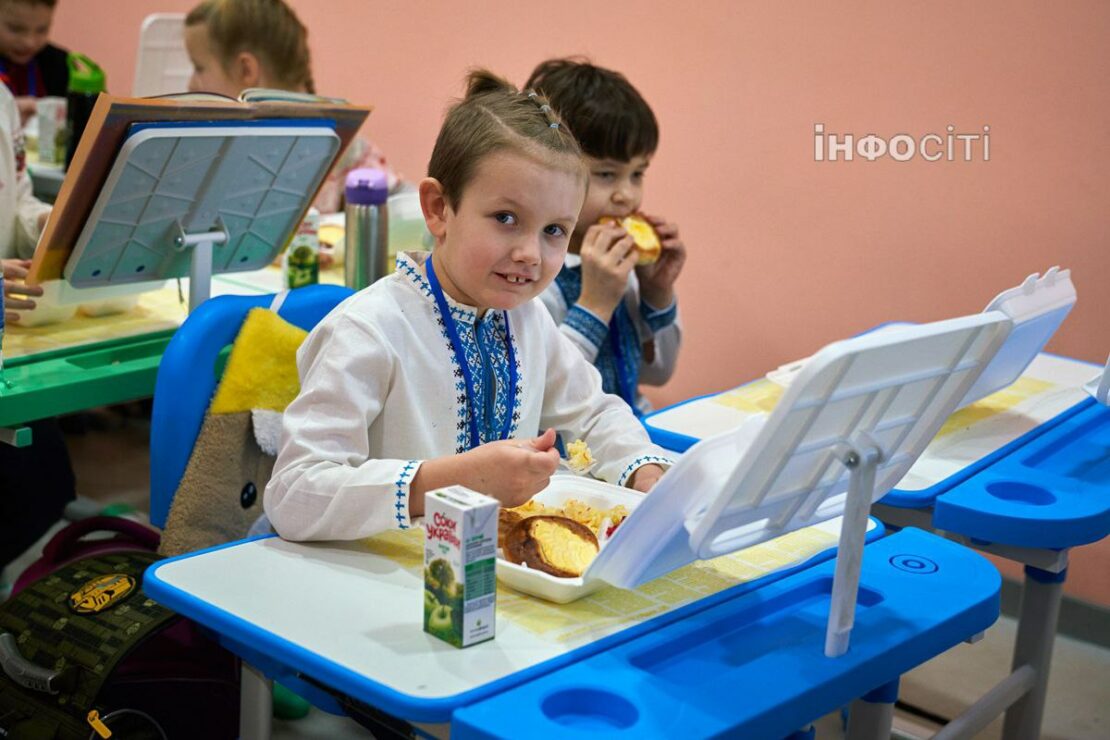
220, 494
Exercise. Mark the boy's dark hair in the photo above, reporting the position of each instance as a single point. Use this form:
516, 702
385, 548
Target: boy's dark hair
495, 116
608, 116
47, 3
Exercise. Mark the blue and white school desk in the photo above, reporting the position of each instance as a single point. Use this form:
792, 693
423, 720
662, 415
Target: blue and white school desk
1022, 474
701, 652
347, 615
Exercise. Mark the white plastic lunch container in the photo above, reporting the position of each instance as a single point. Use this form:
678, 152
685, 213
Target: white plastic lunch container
562, 488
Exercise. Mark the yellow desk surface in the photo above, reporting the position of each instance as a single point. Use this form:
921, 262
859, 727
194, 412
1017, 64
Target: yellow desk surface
157, 310
86, 362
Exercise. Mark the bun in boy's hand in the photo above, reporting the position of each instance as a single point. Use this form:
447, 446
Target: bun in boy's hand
643, 234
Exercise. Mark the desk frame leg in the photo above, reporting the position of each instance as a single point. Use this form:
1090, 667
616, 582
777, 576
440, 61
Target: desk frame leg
15, 436
871, 716
1040, 609
256, 704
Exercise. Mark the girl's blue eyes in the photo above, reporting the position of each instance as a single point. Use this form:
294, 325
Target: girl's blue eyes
555, 230
505, 218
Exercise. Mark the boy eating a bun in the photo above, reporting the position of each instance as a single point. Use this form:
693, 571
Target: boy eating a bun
614, 297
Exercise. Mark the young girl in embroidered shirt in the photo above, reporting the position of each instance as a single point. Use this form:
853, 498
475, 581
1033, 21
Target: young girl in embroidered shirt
622, 317
442, 372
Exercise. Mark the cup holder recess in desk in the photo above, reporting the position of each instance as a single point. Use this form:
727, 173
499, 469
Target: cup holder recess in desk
1008, 490
590, 709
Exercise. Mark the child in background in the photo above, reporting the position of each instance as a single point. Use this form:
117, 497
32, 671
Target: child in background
441, 373
22, 215
237, 44
622, 317
36, 482
30, 66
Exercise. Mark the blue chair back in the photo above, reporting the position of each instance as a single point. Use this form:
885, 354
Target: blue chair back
187, 377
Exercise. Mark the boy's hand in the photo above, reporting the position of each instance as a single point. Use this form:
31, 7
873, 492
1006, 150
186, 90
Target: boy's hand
608, 255
16, 295
657, 280
511, 470
645, 477
27, 106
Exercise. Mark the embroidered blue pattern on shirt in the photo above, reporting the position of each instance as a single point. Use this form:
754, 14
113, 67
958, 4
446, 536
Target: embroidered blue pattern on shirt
488, 357
658, 319
410, 269
569, 281
483, 343
589, 326
639, 462
401, 503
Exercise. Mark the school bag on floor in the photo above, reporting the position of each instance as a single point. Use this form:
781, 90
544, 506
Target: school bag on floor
80, 637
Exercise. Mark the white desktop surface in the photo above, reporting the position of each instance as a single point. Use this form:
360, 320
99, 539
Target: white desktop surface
1049, 386
358, 606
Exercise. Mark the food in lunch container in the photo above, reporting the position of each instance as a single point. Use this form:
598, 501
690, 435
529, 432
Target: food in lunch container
589, 516
579, 457
545, 547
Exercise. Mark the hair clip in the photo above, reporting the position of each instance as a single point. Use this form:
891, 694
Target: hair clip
545, 108
553, 124
531, 94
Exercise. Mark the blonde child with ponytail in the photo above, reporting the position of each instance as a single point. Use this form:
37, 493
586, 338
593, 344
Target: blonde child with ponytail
448, 371
237, 44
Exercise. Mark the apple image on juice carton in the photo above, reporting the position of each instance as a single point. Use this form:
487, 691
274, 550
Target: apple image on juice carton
460, 578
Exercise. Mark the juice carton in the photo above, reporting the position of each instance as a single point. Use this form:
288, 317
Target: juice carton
50, 113
302, 257
460, 551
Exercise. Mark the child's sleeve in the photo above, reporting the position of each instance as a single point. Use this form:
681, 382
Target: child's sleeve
663, 327
576, 406
326, 484
585, 331
29, 209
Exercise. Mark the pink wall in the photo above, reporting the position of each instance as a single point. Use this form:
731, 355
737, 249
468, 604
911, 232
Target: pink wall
787, 253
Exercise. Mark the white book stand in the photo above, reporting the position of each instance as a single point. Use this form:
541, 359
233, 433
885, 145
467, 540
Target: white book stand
845, 432
193, 199
1099, 386
1037, 307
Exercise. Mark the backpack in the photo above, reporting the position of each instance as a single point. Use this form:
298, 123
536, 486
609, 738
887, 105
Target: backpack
83, 651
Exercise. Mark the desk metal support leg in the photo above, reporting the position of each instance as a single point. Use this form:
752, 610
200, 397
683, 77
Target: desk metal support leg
1040, 608
862, 456
17, 436
256, 704
871, 716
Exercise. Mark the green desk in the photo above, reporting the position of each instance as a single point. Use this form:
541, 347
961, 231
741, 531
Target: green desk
67, 380
88, 362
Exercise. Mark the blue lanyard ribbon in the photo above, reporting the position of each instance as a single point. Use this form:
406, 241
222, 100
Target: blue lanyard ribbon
460, 357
